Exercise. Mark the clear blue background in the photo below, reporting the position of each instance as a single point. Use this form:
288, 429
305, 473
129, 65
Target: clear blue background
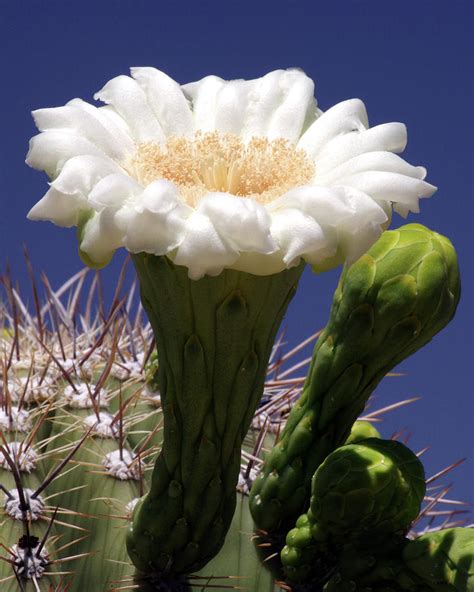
408, 60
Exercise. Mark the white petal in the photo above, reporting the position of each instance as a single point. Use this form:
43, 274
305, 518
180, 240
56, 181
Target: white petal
101, 236
167, 101
278, 105
81, 173
365, 209
231, 104
297, 102
371, 161
299, 235
389, 136
203, 96
112, 191
401, 210
203, 250
327, 205
115, 120
242, 222
112, 122
50, 150
341, 119
343, 214
354, 242
156, 223
59, 208
162, 197
331, 206
130, 101
82, 123
391, 187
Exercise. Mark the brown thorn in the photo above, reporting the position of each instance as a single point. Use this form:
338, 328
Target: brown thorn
56, 361
451, 467
29, 267
14, 466
46, 534
18, 579
37, 426
102, 335
61, 465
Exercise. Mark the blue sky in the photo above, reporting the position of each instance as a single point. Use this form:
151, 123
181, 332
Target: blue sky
409, 61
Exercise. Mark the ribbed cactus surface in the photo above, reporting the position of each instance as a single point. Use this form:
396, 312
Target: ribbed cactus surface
108, 444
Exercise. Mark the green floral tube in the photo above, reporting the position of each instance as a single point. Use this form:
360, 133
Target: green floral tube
214, 337
388, 304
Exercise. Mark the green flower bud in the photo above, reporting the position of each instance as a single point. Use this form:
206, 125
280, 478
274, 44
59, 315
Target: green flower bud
388, 304
376, 486
361, 430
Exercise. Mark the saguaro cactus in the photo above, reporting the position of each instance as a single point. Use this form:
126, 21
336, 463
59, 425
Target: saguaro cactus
221, 191
83, 423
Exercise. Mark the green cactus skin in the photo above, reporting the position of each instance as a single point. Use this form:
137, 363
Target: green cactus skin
433, 563
214, 337
372, 487
307, 557
443, 560
95, 489
388, 304
361, 430
365, 569
365, 491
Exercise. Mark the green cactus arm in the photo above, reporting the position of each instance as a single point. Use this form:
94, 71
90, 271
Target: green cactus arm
214, 337
388, 304
443, 558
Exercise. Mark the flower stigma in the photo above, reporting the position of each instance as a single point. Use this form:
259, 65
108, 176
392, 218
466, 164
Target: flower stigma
260, 169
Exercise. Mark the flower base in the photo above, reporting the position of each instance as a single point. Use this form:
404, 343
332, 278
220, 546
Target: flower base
214, 338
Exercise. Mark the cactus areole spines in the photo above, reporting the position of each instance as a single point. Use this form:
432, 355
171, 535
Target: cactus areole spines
214, 338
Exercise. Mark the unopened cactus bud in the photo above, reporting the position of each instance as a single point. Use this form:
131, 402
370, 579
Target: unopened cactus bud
361, 430
375, 486
388, 304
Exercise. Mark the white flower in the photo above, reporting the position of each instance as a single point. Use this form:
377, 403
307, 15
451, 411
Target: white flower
246, 174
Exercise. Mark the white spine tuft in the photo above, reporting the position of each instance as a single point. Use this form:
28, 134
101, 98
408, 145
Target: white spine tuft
17, 420
81, 398
123, 466
28, 563
103, 426
25, 460
12, 505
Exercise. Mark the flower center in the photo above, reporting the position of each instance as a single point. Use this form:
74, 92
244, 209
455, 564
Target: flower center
260, 168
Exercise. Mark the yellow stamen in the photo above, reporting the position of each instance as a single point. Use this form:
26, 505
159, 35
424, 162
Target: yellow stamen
260, 169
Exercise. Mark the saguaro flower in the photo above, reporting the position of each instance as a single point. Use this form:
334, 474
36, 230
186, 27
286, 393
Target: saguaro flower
242, 174
221, 190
